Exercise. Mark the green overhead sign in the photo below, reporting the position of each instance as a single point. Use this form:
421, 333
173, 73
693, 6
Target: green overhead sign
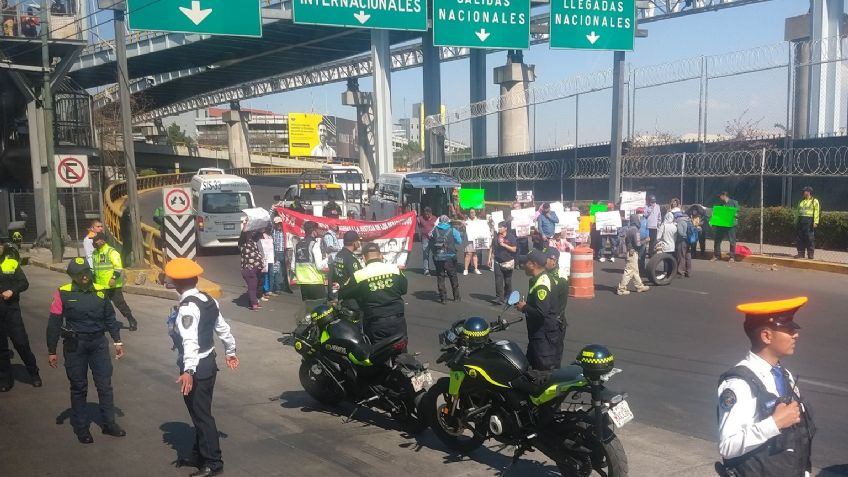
208, 17
386, 14
593, 24
482, 23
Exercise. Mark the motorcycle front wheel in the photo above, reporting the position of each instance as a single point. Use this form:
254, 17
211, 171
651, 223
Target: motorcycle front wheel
607, 460
453, 433
319, 385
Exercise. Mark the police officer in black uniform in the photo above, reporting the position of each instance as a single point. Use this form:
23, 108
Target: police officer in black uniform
541, 312
192, 326
345, 264
378, 288
81, 313
765, 426
12, 283
560, 291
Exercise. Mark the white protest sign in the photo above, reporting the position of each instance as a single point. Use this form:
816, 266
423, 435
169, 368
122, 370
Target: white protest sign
522, 220
570, 222
608, 223
478, 233
524, 196
630, 201
564, 264
559, 210
497, 217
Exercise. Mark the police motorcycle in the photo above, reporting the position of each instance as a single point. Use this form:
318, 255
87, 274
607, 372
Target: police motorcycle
339, 363
568, 415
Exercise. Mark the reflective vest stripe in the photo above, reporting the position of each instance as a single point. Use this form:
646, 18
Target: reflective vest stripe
810, 208
8, 266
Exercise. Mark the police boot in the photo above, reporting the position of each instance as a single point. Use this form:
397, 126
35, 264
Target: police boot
6, 385
84, 435
113, 429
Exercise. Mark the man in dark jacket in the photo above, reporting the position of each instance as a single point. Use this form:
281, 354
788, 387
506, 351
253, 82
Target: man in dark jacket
12, 283
346, 264
541, 312
379, 289
722, 232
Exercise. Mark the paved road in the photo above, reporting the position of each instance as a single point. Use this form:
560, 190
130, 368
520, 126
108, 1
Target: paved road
672, 342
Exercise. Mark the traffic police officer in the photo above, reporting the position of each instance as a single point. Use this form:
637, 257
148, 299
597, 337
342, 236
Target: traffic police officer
765, 428
12, 283
560, 291
192, 326
309, 263
808, 221
109, 273
81, 313
541, 311
345, 264
378, 288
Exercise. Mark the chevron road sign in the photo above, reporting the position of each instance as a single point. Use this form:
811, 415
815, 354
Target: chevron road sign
180, 238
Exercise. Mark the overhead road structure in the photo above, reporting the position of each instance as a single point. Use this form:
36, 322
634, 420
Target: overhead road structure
316, 73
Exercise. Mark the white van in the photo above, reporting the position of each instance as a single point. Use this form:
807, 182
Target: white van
218, 200
205, 171
351, 180
399, 191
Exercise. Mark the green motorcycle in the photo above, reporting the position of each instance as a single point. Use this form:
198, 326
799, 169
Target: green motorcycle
567, 414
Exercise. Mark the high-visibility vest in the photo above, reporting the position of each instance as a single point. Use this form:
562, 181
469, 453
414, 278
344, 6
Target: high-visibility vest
9, 265
809, 208
107, 261
305, 270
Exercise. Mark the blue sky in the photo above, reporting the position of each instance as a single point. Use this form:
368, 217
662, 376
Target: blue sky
671, 108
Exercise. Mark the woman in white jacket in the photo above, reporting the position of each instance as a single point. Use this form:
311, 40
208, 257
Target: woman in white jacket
667, 233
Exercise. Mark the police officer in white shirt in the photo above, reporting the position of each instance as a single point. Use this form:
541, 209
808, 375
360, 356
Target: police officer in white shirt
192, 326
765, 427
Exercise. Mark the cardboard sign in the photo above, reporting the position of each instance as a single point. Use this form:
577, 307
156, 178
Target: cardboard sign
570, 222
478, 233
630, 201
522, 220
497, 217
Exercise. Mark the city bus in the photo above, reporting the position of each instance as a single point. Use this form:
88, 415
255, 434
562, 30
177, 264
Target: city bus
397, 192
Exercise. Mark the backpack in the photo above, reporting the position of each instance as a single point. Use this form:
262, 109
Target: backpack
301, 251
443, 242
692, 234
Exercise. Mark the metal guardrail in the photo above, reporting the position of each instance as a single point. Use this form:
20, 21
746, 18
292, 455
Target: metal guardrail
115, 196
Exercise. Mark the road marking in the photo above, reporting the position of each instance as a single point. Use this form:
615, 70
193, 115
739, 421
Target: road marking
697, 292
824, 385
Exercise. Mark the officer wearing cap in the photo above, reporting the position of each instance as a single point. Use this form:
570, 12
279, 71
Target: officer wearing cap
541, 312
192, 326
560, 291
765, 428
378, 288
808, 220
109, 274
12, 283
81, 313
345, 264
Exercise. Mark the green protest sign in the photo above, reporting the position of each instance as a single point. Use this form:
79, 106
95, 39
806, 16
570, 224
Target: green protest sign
471, 198
597, 208
723, 216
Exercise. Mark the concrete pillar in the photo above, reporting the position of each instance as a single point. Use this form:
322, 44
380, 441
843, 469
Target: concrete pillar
432, 70
478, 94
237, 139
362, 101
382, 59
38, 162
826, 96
514, 120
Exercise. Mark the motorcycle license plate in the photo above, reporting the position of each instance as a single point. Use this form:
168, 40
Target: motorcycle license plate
422, 381
621, 414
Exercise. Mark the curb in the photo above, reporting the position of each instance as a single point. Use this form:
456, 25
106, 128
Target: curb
801, 264
210, 288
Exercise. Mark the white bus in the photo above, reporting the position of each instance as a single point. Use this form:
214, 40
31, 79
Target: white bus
397, 192
218, 201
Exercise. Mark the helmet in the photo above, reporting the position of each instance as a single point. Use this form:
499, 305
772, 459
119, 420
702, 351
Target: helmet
476, 330
322, 312
596, 360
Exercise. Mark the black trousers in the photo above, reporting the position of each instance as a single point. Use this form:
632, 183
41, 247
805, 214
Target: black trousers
207, 445
12, 329
545, 347
378, 329
446, 268
720, 234
92, 353
503, 281
806, 237
117, 297
652, 248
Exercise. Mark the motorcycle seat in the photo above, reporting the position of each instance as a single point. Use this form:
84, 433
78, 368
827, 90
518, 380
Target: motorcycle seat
382, 347
538, 381
568, 373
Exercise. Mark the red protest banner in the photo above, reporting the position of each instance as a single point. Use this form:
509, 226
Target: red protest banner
394, 236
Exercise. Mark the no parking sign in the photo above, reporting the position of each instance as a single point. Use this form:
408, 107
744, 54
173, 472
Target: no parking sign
72, 171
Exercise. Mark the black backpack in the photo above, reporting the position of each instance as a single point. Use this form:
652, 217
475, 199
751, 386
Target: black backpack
443, 242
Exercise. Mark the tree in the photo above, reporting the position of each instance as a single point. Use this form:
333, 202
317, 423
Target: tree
408, 153
177, 137
742, 128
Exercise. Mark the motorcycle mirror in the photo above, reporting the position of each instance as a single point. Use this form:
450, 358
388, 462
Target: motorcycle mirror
514, 298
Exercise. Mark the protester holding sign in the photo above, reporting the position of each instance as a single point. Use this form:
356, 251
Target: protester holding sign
476, 231
724, 222
547, 221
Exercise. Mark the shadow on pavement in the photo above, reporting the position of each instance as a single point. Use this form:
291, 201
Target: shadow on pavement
344, 410
483, 297
492, 456
92, 410
599, 287
181, 438
834, 470
427, 295
20, 374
